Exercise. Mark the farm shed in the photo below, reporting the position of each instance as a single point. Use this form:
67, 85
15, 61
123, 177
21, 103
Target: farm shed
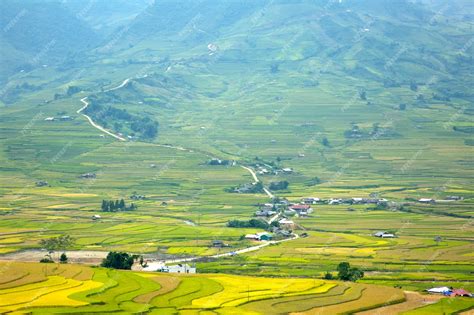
439, 290
461, 292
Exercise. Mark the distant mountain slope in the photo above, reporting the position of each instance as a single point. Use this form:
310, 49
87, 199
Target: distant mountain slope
119, 12
39, 32
395, 42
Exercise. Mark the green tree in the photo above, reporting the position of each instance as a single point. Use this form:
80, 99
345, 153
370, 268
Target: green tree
105, 206
118, 260
328, 276
122, 204
325, 142
63, 259
346, 273
57, 243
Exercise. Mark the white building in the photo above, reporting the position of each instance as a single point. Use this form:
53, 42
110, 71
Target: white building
179, 268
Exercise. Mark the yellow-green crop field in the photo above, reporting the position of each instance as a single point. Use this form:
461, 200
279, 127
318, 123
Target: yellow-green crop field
33, 288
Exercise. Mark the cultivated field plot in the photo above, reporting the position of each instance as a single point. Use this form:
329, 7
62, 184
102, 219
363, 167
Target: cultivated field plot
51, 288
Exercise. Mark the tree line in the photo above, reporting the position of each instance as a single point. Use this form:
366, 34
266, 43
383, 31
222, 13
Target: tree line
117, 205
252, 223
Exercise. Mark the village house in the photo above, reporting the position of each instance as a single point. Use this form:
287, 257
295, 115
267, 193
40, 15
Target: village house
262, 236
179, 268
219, 244
310, 200
49, 119
41, 183
301, 209
384, 234
335, 201
447, 291
426, 200
96, 217
287, 224
135, 196
265, 213
454, 198
439, 290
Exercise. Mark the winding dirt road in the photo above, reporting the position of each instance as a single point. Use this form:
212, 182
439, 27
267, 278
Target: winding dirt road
256, 180
84, 101
153, 266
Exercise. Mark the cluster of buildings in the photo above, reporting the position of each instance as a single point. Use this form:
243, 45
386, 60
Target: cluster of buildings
215, 161
450, 292
355, 201
267, 169
62, 118
136, 196
283, 206
432, 201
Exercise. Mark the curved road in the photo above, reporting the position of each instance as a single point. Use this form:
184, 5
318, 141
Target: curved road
84, 101
256, 180
251, 171
153, 266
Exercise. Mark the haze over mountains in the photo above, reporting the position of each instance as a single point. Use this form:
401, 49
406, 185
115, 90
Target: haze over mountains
178, 130
369, 39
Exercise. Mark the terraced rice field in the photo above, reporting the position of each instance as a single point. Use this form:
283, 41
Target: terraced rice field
35, 288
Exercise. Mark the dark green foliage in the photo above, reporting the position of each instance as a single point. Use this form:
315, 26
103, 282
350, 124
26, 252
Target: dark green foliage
46, 260
439, 97
465, 129
469, 142
247, 188
117, 205
363, 95
402, 106
219, 162
282, 185
347, 273
328, 276
275, 224
314, 181
118, 260
63, 258
325, 142
274, 68
145, 126
252, 223
71, 90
